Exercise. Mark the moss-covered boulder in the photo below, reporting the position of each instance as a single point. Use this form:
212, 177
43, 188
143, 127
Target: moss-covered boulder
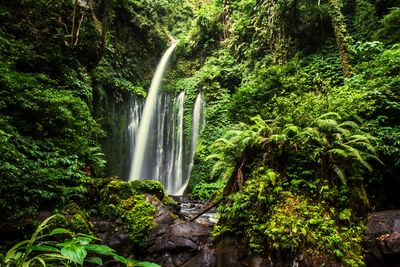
126, 205
151, 187
74, 218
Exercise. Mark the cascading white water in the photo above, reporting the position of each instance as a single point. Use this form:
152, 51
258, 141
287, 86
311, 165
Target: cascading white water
162, 111
175, 172
197, 122
156, 136
142, 137
133, 127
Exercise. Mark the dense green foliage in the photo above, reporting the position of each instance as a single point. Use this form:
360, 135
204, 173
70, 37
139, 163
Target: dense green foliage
64, 66
301, 121
67, 70
47, 138
312, 194
302, 128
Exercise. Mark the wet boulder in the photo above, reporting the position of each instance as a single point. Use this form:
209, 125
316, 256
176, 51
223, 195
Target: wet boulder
181, 243
382, 239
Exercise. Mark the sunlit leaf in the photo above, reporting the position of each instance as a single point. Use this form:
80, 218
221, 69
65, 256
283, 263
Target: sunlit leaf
75, 253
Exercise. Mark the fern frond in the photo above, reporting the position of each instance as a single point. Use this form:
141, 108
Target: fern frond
356, 154
339, 172
222, 143
327, 125
339, 152
343, 131
278, 137
215, 156
259, 122
350, 124
291, 128
338, 137
218, 166
312, 133
360, 138
330, 115
228, 172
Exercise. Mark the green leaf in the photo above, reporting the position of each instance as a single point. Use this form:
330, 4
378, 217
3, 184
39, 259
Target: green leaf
94, 260
41, 261
83, 240
75, 253
13, 251
58, 231
345, 214
40, 228
89, 236
304, 231
145, 264
43, 248
120, 259
37, 258
99, 249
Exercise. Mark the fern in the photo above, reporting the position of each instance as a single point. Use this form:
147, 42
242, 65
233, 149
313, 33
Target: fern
340, 173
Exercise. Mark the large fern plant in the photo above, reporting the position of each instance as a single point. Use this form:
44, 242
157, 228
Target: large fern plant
339, 150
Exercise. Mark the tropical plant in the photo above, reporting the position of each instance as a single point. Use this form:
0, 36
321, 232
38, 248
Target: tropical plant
44, 248
339, 148
283, 192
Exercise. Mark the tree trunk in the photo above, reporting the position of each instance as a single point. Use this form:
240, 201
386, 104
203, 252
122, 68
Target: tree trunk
342, 37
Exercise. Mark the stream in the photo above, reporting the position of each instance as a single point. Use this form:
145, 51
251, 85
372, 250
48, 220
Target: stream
191, 208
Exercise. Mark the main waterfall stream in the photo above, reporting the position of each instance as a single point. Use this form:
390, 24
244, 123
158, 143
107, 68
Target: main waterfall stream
156, 135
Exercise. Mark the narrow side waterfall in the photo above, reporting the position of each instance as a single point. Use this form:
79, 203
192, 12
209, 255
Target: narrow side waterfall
133, 127
197, 122
156, 136
162, 120
175, 169
147, 117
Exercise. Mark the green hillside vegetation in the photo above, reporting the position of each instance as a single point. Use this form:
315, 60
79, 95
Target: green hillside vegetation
302, 133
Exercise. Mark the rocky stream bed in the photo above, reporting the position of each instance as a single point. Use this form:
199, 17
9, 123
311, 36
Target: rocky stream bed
179, 242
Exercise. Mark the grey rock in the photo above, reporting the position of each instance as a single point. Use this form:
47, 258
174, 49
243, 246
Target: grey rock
180, 243
382, 239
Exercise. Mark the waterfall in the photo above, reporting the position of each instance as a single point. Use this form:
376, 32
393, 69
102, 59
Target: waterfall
175, 168
142, 138
197, 122
179, 148
133, 127
162, 111
157, 137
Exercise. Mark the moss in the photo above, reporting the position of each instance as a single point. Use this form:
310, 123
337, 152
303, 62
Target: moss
116, 190
125, 204
149, 187
75, 219
169, 202
139, 220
